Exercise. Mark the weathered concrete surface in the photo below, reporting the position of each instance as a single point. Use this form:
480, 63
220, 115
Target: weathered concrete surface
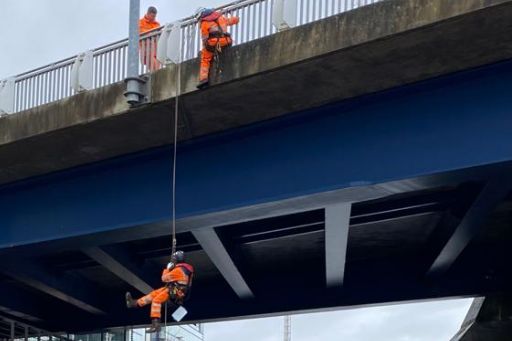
370, 49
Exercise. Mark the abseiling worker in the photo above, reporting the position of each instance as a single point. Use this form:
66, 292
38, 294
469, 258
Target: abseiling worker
215, 37
177, 277
148, 46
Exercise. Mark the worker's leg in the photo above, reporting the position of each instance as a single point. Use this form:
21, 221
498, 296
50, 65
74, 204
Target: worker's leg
156, 306
154, 63
145, 300
206, 61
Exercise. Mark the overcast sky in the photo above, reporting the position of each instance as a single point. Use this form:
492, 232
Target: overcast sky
432, 321
38, 32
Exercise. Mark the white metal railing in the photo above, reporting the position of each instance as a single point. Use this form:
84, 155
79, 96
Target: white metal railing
53, 82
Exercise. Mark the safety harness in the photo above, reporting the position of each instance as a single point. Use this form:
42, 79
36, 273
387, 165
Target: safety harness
220, 34
181, 292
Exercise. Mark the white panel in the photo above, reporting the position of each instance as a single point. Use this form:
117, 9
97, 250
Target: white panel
290, 13
169, 44
284, 14
161, 46
86, 71
174, 45
7, 96
74, 74
179, 314
82, 72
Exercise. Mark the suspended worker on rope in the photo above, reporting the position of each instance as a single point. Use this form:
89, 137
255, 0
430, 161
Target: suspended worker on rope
214, 36
177, 277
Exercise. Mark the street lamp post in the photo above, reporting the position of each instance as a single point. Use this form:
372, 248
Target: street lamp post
134, 83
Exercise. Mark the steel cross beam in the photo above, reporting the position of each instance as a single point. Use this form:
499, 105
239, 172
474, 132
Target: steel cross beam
118, 262
19, 305
337, 221
64, 287
471, 224
214, 248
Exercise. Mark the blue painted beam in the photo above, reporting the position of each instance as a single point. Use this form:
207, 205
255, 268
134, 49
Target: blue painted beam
447, 124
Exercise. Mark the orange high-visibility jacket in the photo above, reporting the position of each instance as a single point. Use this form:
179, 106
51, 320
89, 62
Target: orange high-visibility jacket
216, 23
180, 274
146, 25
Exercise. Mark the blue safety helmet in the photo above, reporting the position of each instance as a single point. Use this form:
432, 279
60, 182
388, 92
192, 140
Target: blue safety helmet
178, 257
202, 12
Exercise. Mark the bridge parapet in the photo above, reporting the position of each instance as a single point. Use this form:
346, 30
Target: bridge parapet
54, 82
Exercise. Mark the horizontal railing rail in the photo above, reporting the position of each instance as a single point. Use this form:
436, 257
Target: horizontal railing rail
54, 81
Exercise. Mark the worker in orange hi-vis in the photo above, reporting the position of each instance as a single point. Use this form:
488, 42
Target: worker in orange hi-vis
148, 46
214, 36
178, 279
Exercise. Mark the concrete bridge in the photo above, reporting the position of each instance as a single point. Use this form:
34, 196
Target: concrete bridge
361, 159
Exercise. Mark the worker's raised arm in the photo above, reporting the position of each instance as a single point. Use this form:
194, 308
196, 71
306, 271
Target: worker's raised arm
233, 20
168, 276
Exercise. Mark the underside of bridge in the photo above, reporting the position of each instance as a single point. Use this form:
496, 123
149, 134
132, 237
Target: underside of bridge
295, 215
402, 247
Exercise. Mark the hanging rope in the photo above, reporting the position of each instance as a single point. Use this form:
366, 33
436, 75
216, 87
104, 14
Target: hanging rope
188, 42
175, 152
175, 147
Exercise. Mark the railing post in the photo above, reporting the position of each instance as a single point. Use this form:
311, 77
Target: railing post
7, 96
284, 14
134, 83
82, 72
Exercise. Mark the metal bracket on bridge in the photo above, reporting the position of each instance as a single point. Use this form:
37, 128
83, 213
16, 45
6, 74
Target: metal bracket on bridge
285, 14
169, 44
82, 72
7, 96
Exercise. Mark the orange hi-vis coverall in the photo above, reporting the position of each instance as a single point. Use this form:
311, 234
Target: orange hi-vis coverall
214, 36
179, 279
148, 46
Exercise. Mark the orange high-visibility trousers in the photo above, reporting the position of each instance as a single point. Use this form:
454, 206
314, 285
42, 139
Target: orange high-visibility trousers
156, 298
148, 50
207, 55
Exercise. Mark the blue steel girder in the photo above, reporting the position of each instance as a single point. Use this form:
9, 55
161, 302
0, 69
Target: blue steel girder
434, 127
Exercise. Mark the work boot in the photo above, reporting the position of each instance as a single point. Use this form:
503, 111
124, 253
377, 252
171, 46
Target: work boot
130, 302
203, 84
155, 326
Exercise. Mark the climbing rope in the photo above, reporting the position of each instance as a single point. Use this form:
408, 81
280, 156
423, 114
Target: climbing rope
175, 150
189, 44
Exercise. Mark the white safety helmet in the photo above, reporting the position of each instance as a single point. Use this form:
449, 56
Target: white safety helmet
199, 12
